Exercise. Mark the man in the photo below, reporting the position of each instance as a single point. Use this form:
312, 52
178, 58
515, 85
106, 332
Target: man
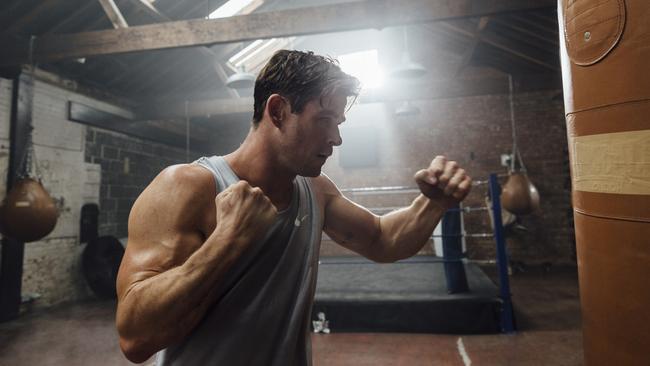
230, 280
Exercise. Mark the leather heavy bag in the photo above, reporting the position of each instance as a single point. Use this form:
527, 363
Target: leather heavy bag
100, 263
605, 53
28, 212
519, 195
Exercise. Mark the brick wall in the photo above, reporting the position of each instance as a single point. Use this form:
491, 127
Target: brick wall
128, 165
474, 131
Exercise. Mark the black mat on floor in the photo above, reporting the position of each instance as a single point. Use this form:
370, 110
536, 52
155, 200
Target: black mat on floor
358, 295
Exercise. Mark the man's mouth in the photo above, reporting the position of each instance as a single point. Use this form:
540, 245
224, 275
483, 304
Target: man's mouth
324, 156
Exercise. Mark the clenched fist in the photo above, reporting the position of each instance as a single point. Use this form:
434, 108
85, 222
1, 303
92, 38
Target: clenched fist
244, 213
444, 182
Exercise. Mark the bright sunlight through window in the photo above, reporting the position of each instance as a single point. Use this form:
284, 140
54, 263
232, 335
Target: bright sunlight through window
229, 9
364, 65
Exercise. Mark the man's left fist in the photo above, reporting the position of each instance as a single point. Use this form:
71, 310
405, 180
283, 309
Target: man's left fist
444, 181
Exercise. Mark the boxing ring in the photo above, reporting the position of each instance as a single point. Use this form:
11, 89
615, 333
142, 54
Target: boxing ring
422, 294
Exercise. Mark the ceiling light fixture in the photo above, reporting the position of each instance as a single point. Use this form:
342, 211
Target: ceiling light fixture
408, 69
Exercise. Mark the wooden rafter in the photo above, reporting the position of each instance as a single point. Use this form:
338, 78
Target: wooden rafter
150, 9
75, 15
143, 62
113, 13
502, 43
321, 19
526, 31
428, 89
44, 7
467, 56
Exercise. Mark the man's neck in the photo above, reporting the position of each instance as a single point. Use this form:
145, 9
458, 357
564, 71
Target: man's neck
255, 162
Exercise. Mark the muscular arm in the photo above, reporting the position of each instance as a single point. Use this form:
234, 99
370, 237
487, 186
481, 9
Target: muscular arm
399, 234
388, 238
168, 275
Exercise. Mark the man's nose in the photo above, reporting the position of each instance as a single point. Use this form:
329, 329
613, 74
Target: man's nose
335, 138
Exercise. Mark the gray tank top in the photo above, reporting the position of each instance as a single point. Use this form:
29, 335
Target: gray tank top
263, 313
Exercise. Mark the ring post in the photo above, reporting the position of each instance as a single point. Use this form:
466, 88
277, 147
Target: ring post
507, 314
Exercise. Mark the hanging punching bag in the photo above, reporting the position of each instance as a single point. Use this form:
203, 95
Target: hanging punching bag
28, 212
519, 195
605, 52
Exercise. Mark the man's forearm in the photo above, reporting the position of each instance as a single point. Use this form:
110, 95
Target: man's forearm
164, 308
406, 231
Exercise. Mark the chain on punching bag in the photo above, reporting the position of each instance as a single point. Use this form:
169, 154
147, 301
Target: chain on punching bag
519, 195
28, 212
605, 52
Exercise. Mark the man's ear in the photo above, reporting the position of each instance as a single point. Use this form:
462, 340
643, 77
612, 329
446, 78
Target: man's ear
276, 108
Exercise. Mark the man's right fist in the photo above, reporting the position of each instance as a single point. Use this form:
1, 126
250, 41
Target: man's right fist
244, 213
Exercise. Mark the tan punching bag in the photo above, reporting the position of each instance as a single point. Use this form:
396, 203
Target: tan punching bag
605, 51
519, 195
28, 213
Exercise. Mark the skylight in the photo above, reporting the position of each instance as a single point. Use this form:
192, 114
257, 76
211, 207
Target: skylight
237, 58
229, 9
363, 65
257, 53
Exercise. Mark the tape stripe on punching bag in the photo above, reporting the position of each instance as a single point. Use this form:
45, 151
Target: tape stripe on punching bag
605, 51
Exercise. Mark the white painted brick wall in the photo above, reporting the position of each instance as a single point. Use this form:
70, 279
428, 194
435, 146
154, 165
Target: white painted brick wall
92, 183
5, 117
52, 265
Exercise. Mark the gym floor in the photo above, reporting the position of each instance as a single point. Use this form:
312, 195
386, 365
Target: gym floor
547, 309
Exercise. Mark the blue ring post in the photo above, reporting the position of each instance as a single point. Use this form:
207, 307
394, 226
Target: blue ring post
507, 315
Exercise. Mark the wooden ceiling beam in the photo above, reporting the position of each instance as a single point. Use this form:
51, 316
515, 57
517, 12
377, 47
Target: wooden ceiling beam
527, 19
148, 8
144, 61
469, 53
205, 51
526, 31
428, 89
114, 14
24, 20
198, 32
503, 44
71, 17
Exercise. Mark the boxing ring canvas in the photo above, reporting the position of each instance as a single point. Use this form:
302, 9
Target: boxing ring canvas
357, 295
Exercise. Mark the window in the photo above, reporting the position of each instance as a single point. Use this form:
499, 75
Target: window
229, 9
364, 65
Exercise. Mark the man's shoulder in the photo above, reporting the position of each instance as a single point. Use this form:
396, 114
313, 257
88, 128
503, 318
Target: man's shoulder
179, 185
180, 196
324, 187
186, 177
322, 183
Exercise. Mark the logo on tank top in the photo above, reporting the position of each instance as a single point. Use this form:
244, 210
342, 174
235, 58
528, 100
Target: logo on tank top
299, 221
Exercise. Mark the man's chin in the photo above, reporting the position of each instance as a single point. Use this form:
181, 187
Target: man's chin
311, 173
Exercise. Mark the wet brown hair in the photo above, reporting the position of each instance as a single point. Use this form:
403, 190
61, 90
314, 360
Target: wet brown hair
300, 77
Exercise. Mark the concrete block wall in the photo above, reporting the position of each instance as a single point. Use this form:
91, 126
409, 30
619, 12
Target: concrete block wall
127, 165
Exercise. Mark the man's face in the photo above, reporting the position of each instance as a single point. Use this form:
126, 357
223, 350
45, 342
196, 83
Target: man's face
312, 134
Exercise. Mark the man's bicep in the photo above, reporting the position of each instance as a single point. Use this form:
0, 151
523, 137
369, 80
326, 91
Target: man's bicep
153, 250
162, 232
